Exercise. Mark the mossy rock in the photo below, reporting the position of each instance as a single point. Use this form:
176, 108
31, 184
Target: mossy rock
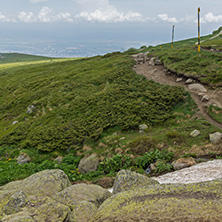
19, 217
52, 211
128, 180
84, 211
47, 182
73, 195
165, 202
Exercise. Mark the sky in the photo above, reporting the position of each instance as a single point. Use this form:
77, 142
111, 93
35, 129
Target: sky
90, 27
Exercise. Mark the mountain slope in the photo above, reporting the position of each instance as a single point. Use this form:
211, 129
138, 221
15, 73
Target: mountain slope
76, 100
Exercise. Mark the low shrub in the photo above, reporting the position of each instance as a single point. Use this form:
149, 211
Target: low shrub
142, 145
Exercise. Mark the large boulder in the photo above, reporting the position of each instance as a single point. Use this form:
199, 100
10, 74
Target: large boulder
165, 202
88, 164
82, 192
52, 211
83, 199
28, 194
49, 196
46, 182
128, 180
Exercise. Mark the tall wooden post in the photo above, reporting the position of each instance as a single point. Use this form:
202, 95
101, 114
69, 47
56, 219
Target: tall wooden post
198, 29
172, 36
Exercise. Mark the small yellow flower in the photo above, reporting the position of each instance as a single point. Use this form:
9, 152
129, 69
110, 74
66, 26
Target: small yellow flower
9, 159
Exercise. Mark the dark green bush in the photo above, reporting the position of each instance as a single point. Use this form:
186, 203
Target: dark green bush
70, 159
142, 145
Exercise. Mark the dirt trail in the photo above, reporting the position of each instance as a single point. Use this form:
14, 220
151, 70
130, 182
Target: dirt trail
159, 74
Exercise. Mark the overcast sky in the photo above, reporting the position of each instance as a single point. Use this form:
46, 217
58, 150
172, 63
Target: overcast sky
84, 19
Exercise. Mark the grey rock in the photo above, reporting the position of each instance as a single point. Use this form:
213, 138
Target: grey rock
88, 164
16, 201
158, 62
58, 159
46, 182
215, 137
152, 61
179, 79
142, 127
183, 163
23, 158
197, 87
195, 133
82, 192
205, 98
128, 180
189, 81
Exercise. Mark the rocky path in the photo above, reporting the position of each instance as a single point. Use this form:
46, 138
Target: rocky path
159, 74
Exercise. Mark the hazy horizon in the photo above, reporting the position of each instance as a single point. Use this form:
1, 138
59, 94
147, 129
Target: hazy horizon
74, 28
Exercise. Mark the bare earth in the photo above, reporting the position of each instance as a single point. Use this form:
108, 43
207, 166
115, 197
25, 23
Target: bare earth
160, 75
203, 171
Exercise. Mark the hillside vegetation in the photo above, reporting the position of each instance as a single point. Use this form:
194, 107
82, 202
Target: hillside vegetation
77, 100
73, 108
18, 57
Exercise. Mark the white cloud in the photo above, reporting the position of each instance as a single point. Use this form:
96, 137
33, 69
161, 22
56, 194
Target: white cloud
103, 11
37, 1
27, 17
44, 15
3, 18
110, 15
210, 17
64, 17
165, 18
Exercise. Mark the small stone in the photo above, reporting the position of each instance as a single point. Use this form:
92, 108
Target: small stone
189, 81
142, 127
215, 137
58, 159
183, 163
15, 122
88, 164
23, 158
179, 79
195, 133
152, 167
205, 98
158, 62
152, 61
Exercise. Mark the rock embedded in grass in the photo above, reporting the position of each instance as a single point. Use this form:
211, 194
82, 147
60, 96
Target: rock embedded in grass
197, 87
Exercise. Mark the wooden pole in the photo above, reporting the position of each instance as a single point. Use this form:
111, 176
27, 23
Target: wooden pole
198, 29
172, 36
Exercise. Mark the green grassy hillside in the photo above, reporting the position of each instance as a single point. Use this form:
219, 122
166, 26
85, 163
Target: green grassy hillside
18, 57
184, 59
73, 108
77, 100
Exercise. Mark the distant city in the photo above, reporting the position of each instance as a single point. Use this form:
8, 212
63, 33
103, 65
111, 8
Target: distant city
67, 49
